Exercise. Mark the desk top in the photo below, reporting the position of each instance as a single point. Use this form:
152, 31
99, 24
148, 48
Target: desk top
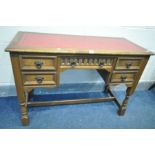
73, 44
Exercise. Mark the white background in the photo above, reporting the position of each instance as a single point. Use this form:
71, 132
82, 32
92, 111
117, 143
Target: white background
77, 13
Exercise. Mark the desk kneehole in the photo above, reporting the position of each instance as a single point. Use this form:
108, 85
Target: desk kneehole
39, 78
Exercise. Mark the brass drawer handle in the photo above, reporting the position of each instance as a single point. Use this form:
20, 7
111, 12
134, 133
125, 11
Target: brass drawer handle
128, 65
38, 64
73, 64
39, 79
123, 78
101, 64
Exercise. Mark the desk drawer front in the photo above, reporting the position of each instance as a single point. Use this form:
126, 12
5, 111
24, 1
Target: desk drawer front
128, 63
123, 77
39, 78
38, 62
86, 61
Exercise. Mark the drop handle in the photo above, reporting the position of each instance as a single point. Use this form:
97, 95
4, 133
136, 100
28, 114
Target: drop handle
73, 64
128, 65
39, 79
101, 64
38, 64
123, 78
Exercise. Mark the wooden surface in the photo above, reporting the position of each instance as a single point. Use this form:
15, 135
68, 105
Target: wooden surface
39, 78
38, 60
58, 43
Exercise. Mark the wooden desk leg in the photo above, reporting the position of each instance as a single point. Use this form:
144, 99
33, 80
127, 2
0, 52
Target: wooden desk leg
24, 117
19, 87
123, 107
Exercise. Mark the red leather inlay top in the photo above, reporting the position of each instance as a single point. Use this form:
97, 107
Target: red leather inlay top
34, 40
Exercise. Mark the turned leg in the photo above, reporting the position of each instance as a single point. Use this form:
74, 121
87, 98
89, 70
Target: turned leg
24, 117
123, 107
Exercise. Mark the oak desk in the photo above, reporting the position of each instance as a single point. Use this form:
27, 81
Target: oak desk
38, 59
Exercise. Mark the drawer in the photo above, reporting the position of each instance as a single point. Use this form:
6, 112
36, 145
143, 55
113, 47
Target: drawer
123, 77
128, 63
39, 78
38, 62
86, 61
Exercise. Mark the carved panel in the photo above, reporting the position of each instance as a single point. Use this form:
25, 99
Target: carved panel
86, 61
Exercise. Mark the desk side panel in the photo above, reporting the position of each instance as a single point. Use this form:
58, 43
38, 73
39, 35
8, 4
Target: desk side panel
17, 77
143, 65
